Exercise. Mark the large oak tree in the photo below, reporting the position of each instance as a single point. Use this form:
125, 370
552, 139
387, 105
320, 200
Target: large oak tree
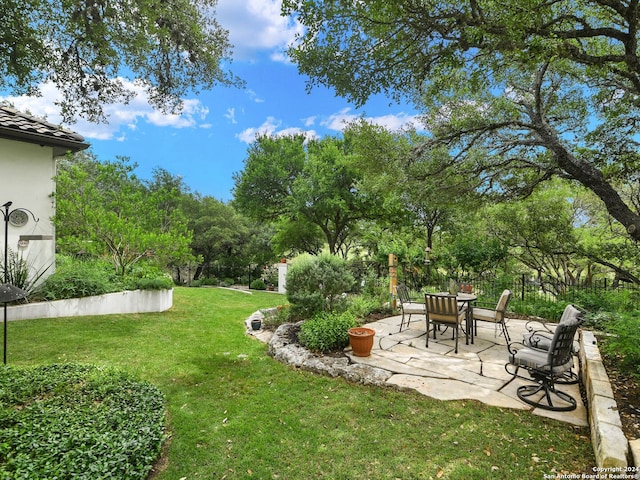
518, 91
88, 48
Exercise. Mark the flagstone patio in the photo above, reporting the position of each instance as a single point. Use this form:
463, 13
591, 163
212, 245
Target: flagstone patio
476, 372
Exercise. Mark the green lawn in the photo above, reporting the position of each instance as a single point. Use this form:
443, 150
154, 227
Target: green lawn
236, 413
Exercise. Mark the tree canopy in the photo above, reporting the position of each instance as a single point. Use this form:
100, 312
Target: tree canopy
309, 187
104, 209
518, 92
97, 52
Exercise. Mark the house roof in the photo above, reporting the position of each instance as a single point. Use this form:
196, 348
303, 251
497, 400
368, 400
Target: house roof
15, 125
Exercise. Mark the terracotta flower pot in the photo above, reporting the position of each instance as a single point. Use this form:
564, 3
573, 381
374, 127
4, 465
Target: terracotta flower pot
361, 340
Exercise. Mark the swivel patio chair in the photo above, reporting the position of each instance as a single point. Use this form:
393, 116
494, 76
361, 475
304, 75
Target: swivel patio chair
540, 334
494, 315
406, 305
444, 310
547, 368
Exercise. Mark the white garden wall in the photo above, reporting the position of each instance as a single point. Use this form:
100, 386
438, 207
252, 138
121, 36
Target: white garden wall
136, 301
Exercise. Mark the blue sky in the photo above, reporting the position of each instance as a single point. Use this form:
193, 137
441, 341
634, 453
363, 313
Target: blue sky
208, 142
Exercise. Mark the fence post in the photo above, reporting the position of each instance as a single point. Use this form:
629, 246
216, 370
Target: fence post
522, 290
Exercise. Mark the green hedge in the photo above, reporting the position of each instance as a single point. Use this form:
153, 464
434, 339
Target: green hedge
77, 278
78, 421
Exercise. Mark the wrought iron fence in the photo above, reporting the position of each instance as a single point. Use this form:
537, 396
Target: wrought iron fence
526, 288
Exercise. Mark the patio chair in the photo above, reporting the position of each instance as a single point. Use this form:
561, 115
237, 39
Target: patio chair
406, 305
444, 310
547, 368
494, 315
540, 334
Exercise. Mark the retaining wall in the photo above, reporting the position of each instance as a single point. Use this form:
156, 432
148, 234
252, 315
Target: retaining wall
130, 301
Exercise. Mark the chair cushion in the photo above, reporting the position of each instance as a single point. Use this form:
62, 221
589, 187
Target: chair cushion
484, 315
543, 342
413, 307
538, 360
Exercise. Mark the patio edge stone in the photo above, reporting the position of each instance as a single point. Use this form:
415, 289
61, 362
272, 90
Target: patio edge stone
610, 445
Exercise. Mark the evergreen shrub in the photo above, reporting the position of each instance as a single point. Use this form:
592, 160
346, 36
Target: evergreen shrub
317, 283
258, 284
327, 331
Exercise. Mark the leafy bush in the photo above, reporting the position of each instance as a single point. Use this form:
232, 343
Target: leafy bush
157, 283
363, 305
610, 300
282, 314
327, 331
147, 277
258, 284
78, 421
624, 342
77, 278
537, 308
316, 283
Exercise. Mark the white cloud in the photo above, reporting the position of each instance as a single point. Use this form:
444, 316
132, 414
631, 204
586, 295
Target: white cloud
231, 115
309, 121
254, 96
270, 127
257, 26
118, 115
338, 121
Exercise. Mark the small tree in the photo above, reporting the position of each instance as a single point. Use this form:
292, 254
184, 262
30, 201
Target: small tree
104, 209
316, 283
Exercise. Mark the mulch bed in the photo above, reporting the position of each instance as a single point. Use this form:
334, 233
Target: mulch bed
626, 391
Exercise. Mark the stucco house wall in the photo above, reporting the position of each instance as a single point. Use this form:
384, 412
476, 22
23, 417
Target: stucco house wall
28, 150
28, 172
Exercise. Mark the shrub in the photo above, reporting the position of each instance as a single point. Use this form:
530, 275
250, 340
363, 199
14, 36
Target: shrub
363, 305
326, 332
279, 316
79, 279
78, 421
258, 284
624, 342
316, 283
157, 283
539, 308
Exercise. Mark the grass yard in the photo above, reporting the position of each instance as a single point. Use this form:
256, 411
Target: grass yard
235, 413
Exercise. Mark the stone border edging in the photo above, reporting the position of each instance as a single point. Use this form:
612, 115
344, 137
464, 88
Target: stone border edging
610, 445
300, 357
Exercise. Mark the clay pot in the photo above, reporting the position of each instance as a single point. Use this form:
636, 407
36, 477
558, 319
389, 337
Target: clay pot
361, 341
256, 324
